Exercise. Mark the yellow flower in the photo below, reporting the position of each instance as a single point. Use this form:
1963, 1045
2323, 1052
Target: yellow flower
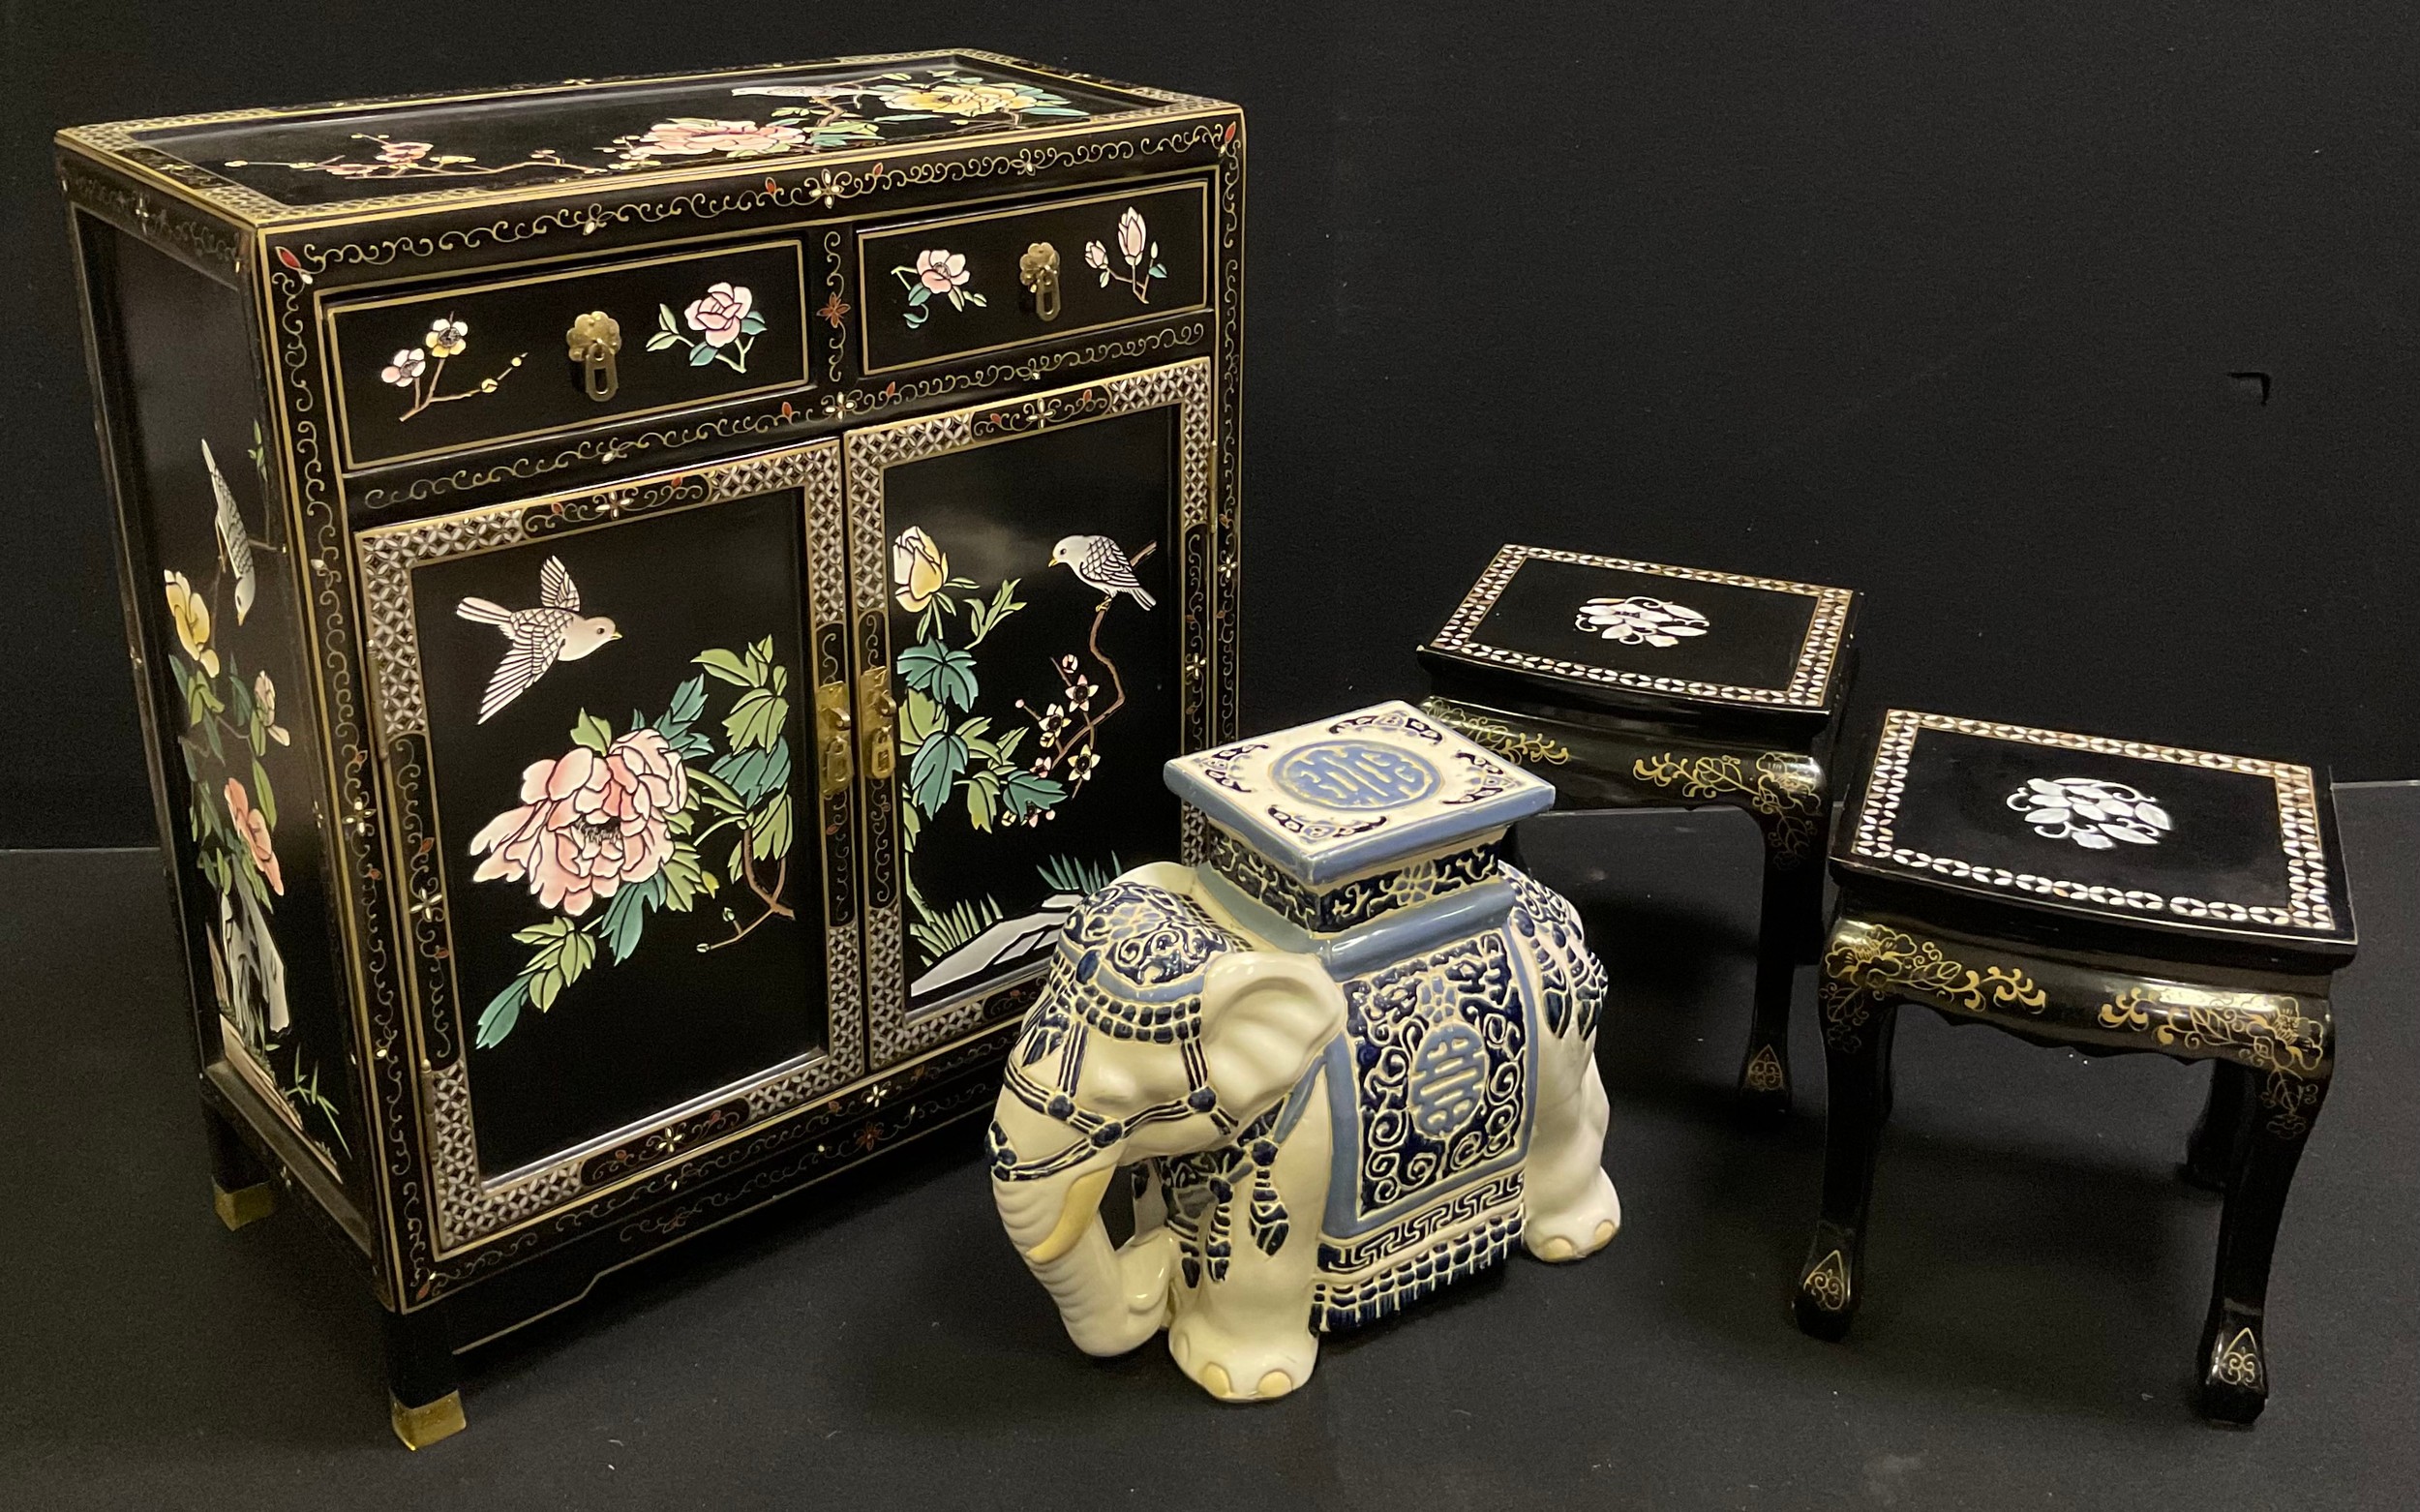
965, 101
192, 622
918, 567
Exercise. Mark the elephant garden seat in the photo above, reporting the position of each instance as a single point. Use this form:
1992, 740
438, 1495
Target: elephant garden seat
1349, 1058
2108, 896
1631, 684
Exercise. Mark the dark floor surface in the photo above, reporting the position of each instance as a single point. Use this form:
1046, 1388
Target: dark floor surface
2037, 1279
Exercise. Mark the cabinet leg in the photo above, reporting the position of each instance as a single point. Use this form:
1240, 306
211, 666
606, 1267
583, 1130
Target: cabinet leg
2211, 1153
423, 1395
1858, 1031
1793, 901
242, 1190
2234, 1364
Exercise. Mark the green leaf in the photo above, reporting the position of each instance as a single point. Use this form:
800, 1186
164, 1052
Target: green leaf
685, 876
1008, 743
1052, 110
756, 720
974, 299
1026, 793
264, 795
768, 830
688, 701
664, 320
1157, 271
701, 354
210, 734
937, 766
718, 795
257, 734
503, 1012
553, 929
238, 698
724, 665
661, 339
752, 774
918, 294
983, 800
944, 672
918, 717
753, 325
592, 732
625, 916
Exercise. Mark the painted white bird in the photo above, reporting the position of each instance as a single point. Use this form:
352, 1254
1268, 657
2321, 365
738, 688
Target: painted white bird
1098, 564
554, 631
233, 540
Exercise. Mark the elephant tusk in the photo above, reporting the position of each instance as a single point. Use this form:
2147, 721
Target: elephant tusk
1083, 1206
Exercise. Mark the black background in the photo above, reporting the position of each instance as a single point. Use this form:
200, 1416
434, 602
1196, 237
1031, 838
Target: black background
626, 1040
1936, 300
1114, 478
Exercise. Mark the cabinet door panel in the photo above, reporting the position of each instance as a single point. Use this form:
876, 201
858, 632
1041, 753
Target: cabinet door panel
599, 714
1027, 578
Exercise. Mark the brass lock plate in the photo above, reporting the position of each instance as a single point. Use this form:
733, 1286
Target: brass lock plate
877, 730
1039, 271
594, 341
832, 750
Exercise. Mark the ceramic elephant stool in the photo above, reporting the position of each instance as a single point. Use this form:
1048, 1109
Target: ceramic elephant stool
1349, 1058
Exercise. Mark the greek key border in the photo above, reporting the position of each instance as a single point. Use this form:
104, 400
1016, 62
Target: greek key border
1810, 677
2298, 823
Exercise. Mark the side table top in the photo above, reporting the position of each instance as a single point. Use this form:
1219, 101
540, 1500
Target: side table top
1607, 632
2193, 845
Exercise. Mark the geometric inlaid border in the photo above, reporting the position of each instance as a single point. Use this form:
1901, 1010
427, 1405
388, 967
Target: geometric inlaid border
2297, 807
894, 1031
1810, 676
468, 1205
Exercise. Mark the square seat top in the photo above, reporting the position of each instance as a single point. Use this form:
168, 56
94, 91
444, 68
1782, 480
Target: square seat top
1337, 797
1607, 632
2157, 841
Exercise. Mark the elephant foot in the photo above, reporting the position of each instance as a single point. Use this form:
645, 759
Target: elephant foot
1235, 1369
1577, 1229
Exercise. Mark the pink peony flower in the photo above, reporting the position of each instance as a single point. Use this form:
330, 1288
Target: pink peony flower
255, 829
1132, 237
942, 271
403, 152
696, 137
718, 314
588, 823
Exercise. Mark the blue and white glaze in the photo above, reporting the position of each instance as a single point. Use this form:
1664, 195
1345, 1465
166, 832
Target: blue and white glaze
1328, 1110
1335, 798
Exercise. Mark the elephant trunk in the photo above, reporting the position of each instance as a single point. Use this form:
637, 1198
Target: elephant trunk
1109, 1300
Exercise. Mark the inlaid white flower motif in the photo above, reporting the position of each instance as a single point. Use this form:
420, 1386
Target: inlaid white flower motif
2095, 814
1655, 622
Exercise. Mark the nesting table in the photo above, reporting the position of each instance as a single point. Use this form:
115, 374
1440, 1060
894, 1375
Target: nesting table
1635, 684
2108, 895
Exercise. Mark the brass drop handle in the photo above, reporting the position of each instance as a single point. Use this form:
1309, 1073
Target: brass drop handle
876, 710
1039, 271
593, 339
831, 737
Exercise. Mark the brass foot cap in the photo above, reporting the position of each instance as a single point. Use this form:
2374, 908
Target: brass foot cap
422, 1426
244, 1204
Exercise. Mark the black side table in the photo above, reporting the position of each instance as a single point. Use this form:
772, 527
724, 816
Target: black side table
2105, 894
1630, 685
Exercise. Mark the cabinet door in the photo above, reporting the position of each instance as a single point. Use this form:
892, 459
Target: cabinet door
1031, 592
628, 857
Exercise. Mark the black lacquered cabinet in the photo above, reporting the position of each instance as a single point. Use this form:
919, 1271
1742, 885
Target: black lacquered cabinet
651, 600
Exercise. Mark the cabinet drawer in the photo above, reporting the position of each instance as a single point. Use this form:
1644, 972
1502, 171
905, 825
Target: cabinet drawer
481, 364
951, 287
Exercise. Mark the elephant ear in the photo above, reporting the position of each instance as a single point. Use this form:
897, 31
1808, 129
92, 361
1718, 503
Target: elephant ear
1266, 1016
